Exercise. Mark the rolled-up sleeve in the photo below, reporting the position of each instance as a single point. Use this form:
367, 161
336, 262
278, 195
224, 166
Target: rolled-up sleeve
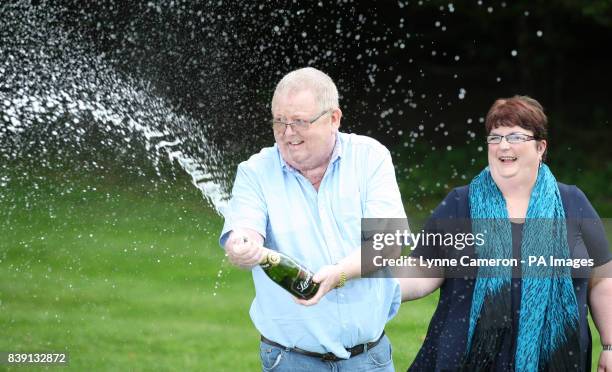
247, 207
383, 198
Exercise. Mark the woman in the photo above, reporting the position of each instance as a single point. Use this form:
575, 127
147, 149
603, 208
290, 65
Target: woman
528, 317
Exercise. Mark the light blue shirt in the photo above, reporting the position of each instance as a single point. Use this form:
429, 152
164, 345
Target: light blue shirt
317, 229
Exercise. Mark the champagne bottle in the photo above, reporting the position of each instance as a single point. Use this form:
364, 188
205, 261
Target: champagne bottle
289, 274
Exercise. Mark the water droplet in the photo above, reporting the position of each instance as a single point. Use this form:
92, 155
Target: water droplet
462, 93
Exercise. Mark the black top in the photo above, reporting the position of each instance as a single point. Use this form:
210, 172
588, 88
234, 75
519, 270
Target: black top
445, 343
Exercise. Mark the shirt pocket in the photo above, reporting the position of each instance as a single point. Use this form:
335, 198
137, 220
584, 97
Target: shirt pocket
347, 210
347, 213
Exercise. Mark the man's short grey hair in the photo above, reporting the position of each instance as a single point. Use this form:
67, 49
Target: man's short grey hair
309, 78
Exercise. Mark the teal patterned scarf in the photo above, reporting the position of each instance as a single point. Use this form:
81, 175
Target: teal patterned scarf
548, 321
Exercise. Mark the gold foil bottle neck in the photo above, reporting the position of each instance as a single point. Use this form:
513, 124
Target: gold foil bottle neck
273, 258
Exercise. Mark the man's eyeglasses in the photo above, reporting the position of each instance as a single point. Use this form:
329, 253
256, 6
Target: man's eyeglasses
298, 125
510, 138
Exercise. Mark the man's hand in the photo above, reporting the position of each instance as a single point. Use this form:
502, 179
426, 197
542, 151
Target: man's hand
243, 251
605, 361
328, 278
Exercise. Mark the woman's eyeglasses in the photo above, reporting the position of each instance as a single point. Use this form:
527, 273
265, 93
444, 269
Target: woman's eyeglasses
510, 138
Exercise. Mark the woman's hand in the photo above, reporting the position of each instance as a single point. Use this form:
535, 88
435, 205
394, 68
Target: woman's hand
605, 361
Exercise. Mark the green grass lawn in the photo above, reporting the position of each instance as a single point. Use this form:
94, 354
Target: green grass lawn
132, 278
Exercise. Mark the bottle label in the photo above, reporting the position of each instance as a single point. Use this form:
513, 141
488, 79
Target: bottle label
303, 284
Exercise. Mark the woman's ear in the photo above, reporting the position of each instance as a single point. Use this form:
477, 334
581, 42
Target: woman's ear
542, 147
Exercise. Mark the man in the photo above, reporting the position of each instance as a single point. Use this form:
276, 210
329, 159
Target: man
305, 197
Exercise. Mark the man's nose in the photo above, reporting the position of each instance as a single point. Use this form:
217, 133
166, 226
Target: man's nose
289, 130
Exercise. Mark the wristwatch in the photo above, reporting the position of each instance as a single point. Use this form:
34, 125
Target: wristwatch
342, 281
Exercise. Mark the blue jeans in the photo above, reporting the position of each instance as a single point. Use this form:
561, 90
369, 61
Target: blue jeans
376, 359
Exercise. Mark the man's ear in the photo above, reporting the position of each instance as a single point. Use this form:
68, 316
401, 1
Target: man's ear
336, 116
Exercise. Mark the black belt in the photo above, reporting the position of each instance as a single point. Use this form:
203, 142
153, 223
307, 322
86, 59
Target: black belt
329, 357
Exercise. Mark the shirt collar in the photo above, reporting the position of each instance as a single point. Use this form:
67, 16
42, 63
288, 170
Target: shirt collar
336, 154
